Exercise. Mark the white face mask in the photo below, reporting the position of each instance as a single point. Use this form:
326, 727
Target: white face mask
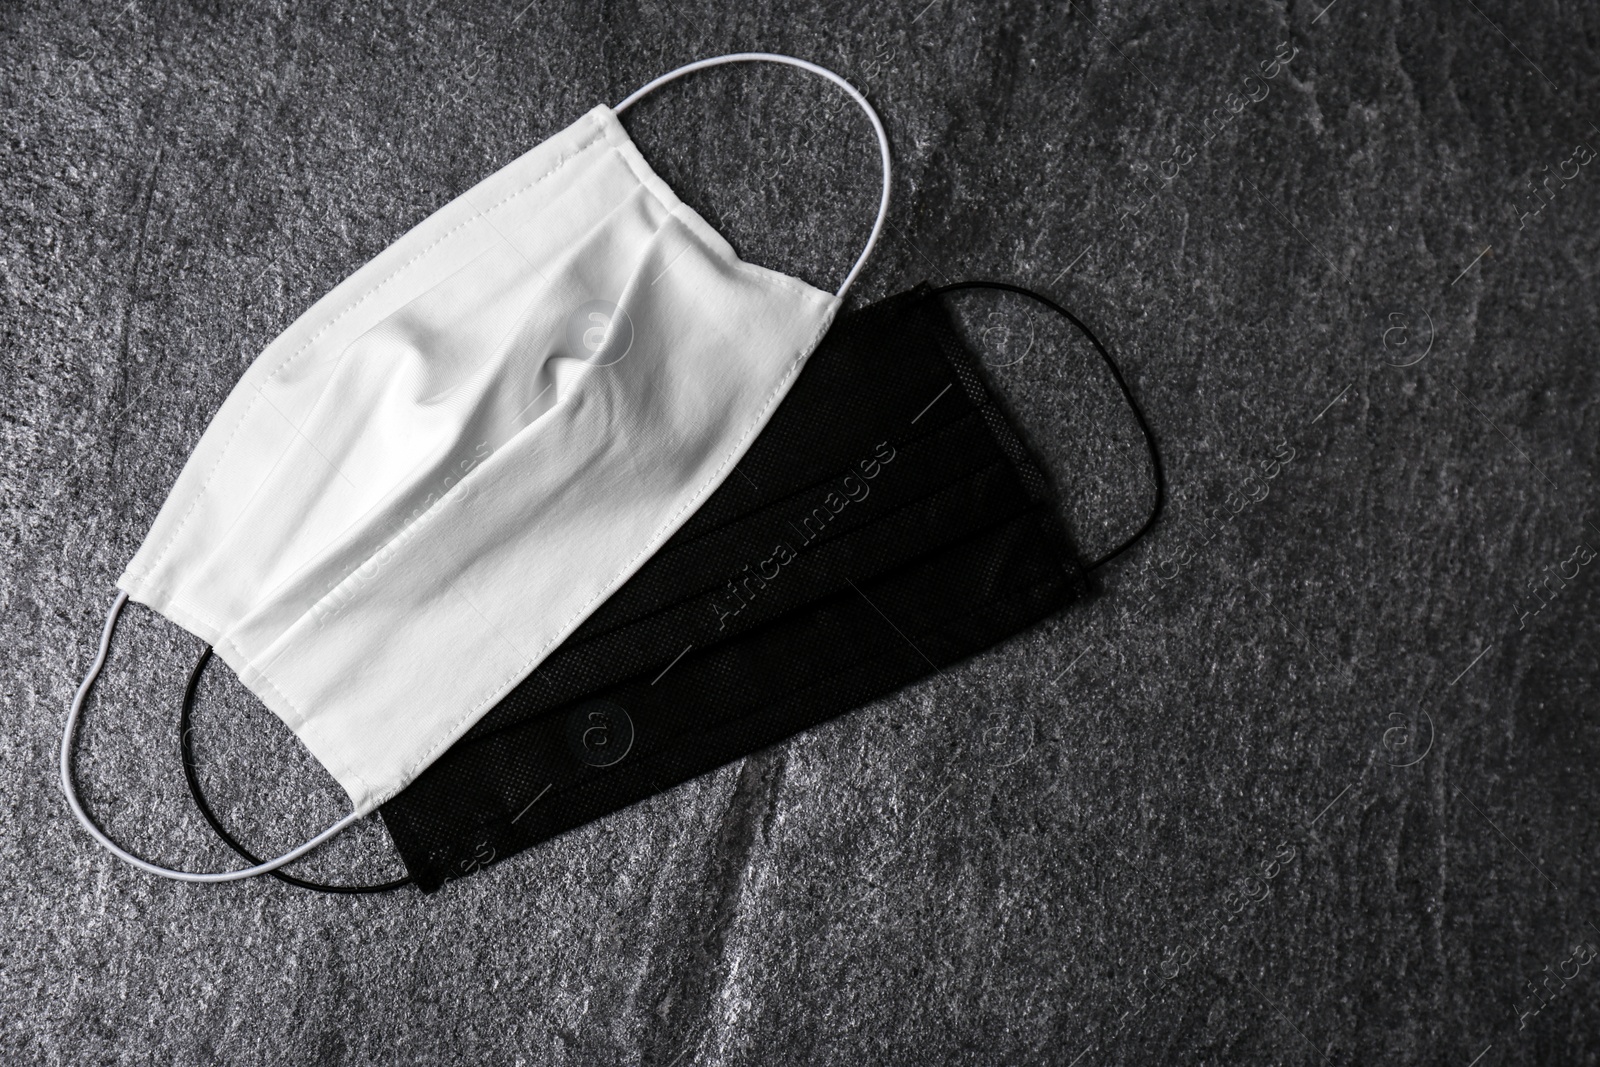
515, 403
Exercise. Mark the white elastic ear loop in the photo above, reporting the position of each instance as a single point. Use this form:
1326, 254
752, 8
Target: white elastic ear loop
769, 57
112, 846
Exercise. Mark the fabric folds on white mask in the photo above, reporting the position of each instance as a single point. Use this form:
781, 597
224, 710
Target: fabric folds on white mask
517, 402
426, 448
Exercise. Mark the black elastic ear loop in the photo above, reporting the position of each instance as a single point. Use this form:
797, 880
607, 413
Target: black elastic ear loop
1133, 405
186, 747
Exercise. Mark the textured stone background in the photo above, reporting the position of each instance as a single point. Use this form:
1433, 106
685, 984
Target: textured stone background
1334, 683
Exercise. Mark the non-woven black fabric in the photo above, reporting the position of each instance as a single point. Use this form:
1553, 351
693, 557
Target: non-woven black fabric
887, 522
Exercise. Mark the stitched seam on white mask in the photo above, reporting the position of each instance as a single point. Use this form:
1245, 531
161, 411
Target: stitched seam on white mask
177, 600
344, 768
223, 452
409, 771
266, 683
688, 216
692, 219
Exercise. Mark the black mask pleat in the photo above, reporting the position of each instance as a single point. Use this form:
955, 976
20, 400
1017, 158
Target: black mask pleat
887, 522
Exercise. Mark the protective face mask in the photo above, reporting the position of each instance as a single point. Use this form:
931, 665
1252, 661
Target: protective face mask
887, 523
435, 475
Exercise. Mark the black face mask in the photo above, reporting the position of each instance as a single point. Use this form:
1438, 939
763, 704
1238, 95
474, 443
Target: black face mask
886, 523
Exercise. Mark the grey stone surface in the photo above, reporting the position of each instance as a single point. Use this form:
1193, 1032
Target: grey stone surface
1324, 716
